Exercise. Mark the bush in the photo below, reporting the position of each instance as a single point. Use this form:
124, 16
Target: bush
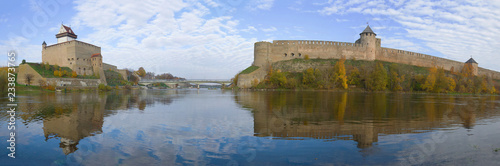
73, 74
103, 87
306, 57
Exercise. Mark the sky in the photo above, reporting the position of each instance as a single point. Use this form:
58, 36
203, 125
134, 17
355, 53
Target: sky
213, 39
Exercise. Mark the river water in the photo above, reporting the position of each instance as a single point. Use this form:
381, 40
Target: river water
217, 127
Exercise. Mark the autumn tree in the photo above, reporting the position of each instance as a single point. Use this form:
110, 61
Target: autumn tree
310, 77
141, 72
278, 79
339, 78
73, 74
395, 80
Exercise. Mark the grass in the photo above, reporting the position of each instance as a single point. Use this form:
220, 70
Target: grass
249, 70
50, 72
114, 78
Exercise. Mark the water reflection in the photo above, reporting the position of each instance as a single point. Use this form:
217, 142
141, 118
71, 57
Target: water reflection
71, 117
360, 117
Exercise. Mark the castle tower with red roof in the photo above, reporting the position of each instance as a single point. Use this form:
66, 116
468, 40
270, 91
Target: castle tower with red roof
69, 52
65, 34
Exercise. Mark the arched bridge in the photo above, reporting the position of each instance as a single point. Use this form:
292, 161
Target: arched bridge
188, 81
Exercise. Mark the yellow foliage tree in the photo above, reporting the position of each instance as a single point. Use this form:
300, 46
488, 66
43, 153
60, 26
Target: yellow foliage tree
339, 77
431, 80
73, 74
56, 73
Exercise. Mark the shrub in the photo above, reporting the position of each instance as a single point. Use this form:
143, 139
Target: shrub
306, 57
73, 74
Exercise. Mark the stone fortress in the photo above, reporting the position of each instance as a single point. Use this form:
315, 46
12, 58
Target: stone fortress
81, 57
84, 58
367, 47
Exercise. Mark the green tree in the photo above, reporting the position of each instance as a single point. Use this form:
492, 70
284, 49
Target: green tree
310, 77
278, 79
378, 78
395, 80
354, 77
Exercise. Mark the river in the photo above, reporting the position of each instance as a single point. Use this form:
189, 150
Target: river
224, 127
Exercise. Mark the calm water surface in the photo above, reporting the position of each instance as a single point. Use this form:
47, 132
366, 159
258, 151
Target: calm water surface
214, 127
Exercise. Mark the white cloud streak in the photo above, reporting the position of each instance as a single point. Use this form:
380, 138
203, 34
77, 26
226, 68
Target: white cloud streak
456, 29
165, 36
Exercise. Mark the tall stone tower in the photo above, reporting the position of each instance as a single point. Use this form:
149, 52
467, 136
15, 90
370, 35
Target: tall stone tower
261, 54
368, 40
65, 34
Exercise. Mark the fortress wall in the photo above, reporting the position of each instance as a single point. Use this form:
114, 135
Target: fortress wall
417, 59
52, 54
73, 54
315, 49
25, 69
489, 73
106, 66
245, 80
83, 52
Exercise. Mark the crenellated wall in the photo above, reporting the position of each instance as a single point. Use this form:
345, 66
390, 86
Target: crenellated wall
367, 47
267, 53
417, 59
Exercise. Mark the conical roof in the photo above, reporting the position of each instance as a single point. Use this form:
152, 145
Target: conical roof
367, 30
471, 61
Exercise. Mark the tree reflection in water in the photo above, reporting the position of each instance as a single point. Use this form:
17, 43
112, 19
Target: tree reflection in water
71, 117
361, 117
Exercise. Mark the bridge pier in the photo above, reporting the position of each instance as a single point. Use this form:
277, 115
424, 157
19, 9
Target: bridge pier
198, 86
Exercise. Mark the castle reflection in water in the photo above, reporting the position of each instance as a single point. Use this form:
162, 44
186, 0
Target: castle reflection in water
361, 117
71, 117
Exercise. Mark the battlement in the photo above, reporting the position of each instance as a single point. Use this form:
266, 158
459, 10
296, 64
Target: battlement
72, 42
414, 54
314, 42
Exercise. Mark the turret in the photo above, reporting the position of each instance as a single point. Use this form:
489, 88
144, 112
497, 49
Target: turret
96, 60
261, 54
473, 65
368, 40
44, 44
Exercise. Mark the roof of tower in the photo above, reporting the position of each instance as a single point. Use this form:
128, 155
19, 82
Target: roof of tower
368, 30
66, 31
96, 55
44, 43
471, 61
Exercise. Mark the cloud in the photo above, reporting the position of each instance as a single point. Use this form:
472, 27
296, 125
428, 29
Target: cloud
270, 29
182, 38
250, 29
23, 49
455, 29
261, 4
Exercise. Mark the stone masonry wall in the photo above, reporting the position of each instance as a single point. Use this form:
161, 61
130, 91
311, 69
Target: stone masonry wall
25, 69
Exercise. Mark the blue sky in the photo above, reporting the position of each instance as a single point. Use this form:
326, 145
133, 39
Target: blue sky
213, 39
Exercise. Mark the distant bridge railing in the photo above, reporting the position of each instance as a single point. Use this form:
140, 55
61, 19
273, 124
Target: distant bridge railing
182, 81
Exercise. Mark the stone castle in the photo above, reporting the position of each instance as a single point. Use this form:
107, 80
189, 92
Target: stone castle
81, 57
84, 58
367, 47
